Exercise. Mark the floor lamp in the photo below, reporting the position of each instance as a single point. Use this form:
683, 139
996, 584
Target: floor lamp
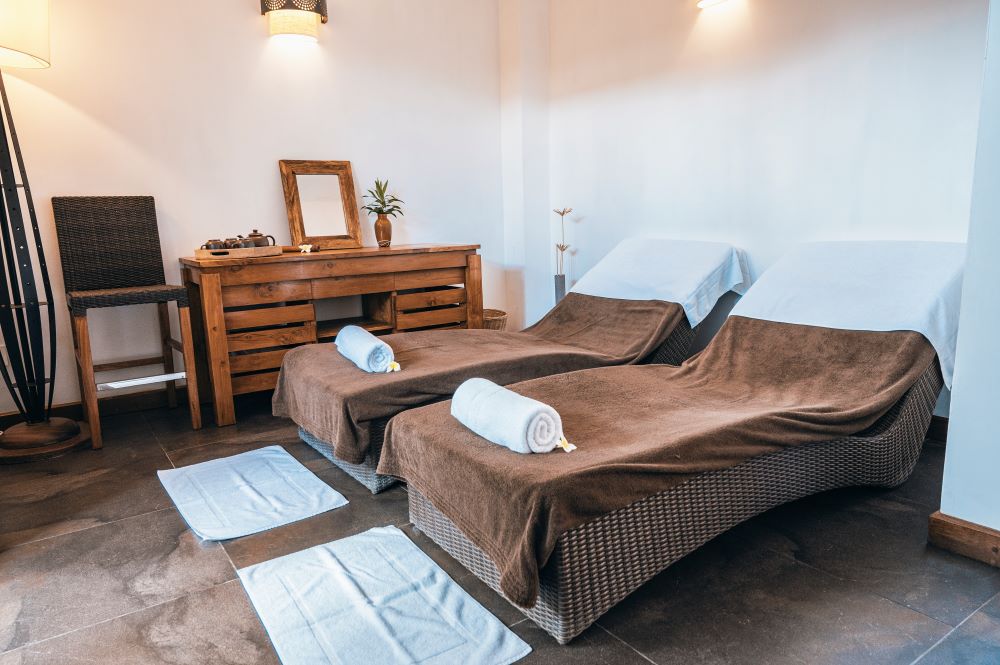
29, 335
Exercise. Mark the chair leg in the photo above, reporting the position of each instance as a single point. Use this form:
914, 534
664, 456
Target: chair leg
88, 386
190, 366
168, 352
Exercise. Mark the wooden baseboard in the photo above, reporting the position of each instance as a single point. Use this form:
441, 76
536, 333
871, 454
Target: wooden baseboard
115, 404
939, 429
966, 538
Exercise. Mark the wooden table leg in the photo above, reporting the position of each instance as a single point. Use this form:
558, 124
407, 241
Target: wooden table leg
474, 291
190, 366
197, 332
218, 349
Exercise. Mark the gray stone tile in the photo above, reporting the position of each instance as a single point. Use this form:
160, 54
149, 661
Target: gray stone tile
594, 647
254, 422
977, 640
85, 488
15, 657
881, 544
364, 512
145, 590
58, 499
64, 583
924, 486
727, 603
217, 626
127, 438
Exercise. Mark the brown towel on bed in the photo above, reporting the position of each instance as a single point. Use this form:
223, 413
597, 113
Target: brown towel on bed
332, 399
759, 386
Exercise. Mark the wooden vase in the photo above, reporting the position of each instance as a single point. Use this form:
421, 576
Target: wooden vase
383, 231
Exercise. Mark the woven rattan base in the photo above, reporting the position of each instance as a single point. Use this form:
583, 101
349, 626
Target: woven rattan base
364, 473
675, 348
672, 352
597, 565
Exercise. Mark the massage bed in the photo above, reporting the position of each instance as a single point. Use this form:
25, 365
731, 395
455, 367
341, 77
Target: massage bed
797, 394
638, 305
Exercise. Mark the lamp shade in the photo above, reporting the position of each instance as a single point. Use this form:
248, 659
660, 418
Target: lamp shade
294, 17
24, 33
293, 22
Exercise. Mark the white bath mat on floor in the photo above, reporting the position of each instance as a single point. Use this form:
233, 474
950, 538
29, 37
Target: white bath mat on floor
247, 493
373, 598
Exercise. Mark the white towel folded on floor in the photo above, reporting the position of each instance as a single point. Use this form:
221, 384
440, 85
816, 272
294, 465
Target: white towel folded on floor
503, 417
364, 349
373, 598
247, 493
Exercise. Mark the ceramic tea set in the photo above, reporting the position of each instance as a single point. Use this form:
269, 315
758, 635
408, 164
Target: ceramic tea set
254, 239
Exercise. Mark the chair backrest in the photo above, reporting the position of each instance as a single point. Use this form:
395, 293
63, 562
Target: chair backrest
108, 242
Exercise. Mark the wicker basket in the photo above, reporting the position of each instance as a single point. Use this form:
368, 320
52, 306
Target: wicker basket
494, 319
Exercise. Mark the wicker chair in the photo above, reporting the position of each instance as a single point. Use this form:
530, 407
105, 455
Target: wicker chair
98, 277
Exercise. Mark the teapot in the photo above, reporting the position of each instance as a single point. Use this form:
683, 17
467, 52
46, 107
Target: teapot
238, 243
260, 240
214, 243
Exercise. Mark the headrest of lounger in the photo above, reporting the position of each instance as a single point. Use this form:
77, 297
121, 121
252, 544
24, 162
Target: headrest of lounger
867, 286
691, 273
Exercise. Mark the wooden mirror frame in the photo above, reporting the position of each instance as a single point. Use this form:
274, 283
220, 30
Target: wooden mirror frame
290, 168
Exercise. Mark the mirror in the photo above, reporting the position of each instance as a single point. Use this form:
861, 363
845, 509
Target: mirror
322, 207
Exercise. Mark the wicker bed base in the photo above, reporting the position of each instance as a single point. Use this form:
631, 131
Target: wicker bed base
364, 473
597, 565
673, 351
675, 348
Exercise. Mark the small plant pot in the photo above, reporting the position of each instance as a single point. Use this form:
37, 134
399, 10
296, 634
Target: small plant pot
383, 231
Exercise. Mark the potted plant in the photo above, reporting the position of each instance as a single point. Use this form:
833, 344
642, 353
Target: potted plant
384, 205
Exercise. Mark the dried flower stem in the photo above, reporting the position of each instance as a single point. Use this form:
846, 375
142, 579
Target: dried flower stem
562, 246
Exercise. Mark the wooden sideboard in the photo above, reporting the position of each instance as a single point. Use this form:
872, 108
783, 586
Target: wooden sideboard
247, 313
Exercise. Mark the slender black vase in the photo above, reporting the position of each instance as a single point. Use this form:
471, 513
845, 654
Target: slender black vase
28, 335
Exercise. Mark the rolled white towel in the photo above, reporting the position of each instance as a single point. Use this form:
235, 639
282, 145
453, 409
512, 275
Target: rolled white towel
365, 350
503, 417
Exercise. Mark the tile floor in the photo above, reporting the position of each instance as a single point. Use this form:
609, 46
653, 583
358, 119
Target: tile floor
97, 567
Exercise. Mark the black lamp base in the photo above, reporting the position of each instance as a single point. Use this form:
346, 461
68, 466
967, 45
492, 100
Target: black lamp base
27, 442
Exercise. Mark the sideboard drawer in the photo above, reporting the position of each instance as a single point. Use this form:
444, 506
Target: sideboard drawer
336, 287
257, 294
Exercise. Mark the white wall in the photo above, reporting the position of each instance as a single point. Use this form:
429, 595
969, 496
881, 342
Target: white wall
193, 103
524, 99
971, 485
763, 122
760, 122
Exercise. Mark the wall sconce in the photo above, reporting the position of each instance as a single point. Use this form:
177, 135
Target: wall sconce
294, 17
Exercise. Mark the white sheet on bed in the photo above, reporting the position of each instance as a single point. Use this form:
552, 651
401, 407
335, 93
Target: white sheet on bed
882, 286
692, 273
